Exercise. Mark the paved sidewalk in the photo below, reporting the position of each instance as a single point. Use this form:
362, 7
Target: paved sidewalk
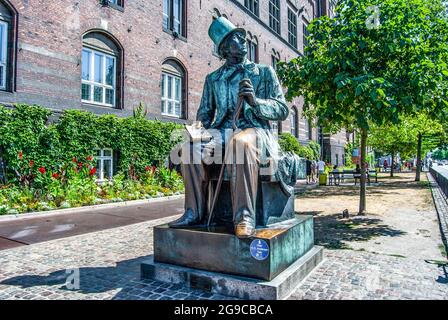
24, 231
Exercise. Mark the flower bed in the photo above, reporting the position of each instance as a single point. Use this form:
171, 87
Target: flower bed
50, 163
76, 185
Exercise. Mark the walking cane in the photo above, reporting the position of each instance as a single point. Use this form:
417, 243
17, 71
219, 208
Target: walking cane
239, 107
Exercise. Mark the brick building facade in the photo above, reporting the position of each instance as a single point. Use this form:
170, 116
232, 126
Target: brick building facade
107, 56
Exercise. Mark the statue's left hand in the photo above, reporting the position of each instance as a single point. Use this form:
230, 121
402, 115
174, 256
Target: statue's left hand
247, 91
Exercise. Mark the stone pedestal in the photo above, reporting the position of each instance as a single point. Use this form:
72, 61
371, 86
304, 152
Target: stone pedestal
279, 288
271, 263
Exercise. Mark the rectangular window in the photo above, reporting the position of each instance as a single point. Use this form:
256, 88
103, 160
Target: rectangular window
252, 5
3, 54
274, 15
292, 28
305, 36
98, 78
104, 164
171, 95
174, 16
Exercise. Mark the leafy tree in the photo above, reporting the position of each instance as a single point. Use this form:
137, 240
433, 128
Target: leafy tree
393, 139
423, 127
374, 61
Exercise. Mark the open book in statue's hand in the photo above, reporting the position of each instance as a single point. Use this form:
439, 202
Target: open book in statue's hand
197, 132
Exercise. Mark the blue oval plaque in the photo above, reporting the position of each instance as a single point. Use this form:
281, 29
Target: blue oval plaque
259, 249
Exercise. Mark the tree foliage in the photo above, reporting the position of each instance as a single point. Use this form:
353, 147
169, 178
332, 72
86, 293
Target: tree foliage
375, 61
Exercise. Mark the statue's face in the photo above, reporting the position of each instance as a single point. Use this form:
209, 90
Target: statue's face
235, 45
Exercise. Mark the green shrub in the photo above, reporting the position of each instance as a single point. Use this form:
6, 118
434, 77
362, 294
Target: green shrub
289, 143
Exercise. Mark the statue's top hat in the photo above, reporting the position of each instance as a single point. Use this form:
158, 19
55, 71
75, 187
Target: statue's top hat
220, 29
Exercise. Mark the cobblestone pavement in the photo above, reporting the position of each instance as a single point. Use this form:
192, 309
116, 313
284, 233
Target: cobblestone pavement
109, 260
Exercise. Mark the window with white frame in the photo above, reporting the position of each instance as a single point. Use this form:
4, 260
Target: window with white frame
294, 121
292, 28
171, 94
3, 54
98, 77
252, 48
104, 164
305, 36
252, 5
174, 16
274, 15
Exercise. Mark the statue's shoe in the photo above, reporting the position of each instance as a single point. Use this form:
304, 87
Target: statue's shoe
188, 219
244, 229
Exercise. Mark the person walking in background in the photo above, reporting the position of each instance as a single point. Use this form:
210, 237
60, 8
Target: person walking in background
313, 171
385, 165
321, 166
308, 171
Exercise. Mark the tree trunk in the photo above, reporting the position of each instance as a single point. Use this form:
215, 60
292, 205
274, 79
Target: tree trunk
362, 197
419, 157
392, 165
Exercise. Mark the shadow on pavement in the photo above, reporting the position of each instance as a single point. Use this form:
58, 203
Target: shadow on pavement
125, 276
332, 232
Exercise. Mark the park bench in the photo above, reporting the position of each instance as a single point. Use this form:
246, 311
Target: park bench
335, 177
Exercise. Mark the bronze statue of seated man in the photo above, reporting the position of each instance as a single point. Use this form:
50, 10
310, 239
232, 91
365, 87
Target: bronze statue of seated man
257, 90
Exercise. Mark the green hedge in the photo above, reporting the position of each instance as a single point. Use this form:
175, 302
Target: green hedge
51, 164
289, 143
27, 135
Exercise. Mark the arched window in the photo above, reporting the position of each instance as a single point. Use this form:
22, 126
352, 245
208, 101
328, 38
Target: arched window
173, 89
275, 58
252, 48
8, 43
294, 118
101, 70
310, 130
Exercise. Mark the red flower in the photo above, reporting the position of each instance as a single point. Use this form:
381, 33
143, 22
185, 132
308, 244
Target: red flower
42, 170
20, 155
147, 168
154, 168
31, 163
92, 171
79, 164
74, 160
55, 175
89, 158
